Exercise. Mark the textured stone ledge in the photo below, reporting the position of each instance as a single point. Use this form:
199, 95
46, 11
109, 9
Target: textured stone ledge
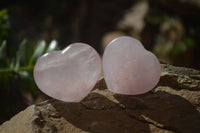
172, 106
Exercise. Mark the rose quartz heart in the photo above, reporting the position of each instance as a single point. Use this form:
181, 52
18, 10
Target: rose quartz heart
129, 68
68, 75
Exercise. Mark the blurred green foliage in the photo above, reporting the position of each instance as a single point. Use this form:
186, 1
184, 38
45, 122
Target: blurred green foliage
155, 20
16, 70
181, 47
4, 24
22, 64
23, 60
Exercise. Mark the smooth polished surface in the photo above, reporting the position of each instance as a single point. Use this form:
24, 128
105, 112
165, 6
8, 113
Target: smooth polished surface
68, 75
129, 68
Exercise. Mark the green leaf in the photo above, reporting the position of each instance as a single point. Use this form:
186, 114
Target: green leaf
3, 12
52, 46
179, 49
3, 50
3, 15
23, 54
190, 43
38, 52
23, 74
12, 63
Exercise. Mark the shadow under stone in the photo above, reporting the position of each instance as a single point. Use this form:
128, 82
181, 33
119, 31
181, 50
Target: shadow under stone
165, 110
97, 114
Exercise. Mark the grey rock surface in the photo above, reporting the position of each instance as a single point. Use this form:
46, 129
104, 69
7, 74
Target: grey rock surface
171, 107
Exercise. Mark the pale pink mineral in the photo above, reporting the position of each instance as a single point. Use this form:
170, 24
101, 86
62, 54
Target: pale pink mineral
129, 68
68, 75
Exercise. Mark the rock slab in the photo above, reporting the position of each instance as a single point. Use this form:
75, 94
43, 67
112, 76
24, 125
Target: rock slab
171, 107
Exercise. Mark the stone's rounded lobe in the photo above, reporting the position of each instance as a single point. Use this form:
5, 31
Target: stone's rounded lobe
68, 75
129, 68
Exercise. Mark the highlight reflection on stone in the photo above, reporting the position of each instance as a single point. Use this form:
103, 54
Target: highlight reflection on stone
68, 75
129, 68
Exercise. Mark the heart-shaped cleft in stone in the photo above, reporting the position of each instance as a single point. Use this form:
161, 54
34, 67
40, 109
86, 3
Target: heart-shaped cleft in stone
68, 75
129, 68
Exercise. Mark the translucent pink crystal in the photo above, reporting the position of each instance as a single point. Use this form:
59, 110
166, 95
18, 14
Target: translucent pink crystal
128, 68
68, 75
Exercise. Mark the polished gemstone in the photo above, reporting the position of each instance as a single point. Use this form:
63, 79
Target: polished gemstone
129, 68
68, 75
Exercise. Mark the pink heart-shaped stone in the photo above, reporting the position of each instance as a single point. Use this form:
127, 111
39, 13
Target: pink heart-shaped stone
129, 68
68, 75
